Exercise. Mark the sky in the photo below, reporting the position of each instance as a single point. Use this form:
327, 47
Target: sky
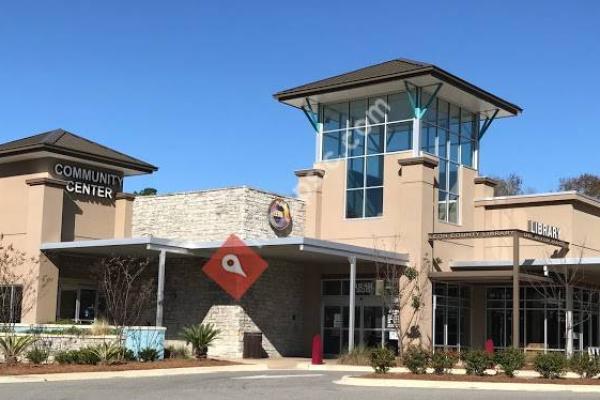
188, 85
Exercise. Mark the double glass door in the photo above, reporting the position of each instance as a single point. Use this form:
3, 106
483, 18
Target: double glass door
78, 304
370, 328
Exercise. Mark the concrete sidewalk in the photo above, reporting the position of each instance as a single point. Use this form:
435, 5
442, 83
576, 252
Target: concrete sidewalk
422, 384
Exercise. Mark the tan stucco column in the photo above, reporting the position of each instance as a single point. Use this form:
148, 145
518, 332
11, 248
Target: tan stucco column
123, 214
417, 180
44, 223
310, 183
484, 189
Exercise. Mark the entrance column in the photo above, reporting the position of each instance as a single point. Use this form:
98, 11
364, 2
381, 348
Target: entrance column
351, 314
516, 292
160, 295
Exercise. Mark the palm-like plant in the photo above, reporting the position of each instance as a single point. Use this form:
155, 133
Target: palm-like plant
107, 352
12, 346
200, 336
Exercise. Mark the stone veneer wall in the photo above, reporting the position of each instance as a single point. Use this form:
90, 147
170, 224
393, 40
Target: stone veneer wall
211, 215
273, 306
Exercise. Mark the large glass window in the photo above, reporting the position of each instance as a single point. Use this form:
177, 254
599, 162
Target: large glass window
452, 318
11, 298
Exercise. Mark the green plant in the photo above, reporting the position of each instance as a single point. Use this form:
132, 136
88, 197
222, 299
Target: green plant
37, 355
359, 355
86, 355
476, 362
382, 359
443, 361
12, 346
107, 352
128, 354
73, 330
416, 360
101, 327
550, 365
148, 354
177, 352
510, 360
584, 365
64, 357
200, 336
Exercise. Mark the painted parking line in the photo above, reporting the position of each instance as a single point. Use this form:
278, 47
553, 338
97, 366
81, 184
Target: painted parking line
277, 376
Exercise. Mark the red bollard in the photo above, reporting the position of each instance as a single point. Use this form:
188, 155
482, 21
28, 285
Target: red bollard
317, 350
489, 346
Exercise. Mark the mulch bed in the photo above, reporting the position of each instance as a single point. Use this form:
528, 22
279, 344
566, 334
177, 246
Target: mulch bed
26, 369
488, 378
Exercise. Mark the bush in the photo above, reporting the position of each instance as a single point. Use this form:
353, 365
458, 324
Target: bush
128, 354
360, 355
416, 360
37, 355
200, 337
86, 355
510, 360
476, 362
13, 346
177, 352
382, 359
550, 365
148, 354
66, 357
584, 365
443, 361
107, 352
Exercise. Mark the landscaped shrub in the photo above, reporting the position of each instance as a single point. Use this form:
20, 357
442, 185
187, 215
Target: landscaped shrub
443, 361
13, 346
550, 365
37, 355
107, 352
148, 354
177, 352
382, 359
476, 362
510, 360
200, 336
86, 355
66, 357
360, 355
416, 360
128, 354
584, 365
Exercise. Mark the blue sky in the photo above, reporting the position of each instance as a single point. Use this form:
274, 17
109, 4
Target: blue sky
187, 85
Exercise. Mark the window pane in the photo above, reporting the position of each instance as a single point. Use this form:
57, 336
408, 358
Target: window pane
375, 139
333, 145
466, 152
428, 138
431, 114
454, 118
442, 115
466, 126
68, 301
442, 143
354, 203
453, 178
332, 288
356, 142
443, 177
374, 204
358, 112
87, 305
442, 205
356, 169
375, 171
453, 208
400, 108
399, 136
454, 143
335, 116
377, 110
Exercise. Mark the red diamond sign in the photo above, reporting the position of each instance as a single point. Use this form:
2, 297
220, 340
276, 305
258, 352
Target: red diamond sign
235, 267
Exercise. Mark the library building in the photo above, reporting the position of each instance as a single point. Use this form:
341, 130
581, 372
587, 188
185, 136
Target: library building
392, 237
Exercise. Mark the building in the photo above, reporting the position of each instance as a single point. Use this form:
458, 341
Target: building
393, 231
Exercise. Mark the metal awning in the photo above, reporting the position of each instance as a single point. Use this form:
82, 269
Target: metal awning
290, 248
493, 276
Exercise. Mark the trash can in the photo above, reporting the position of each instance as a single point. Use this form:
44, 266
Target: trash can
253, 345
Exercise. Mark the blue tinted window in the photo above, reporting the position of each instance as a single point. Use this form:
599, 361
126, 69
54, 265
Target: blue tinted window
399, 136
428, 138
356, 142
334, 145
358, 112
374, 202
335, 116
356, 169
400, 108
375, 171
354, 203
375, 139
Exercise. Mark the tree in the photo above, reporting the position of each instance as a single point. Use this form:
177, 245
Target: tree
146, 192
511, 185
587, 184
127, 289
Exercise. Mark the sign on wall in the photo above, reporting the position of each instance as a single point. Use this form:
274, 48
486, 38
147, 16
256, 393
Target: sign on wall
89, 181
280, 216
543, 229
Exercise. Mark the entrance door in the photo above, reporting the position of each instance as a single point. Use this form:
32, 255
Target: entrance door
77, 304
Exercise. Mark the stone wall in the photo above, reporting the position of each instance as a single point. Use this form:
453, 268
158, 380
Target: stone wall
211, 215
273, 306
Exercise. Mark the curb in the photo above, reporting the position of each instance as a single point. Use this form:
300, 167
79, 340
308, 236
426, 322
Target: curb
418, 384
145, 373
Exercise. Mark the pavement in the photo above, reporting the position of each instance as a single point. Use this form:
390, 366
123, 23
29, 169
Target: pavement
248, 385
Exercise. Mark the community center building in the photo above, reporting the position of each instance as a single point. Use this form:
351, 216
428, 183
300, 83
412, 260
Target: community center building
393, 238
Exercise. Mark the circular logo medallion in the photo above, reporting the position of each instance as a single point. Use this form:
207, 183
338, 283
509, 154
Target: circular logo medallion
280, 217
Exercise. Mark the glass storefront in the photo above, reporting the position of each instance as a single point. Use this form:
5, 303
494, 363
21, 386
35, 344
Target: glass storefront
452, 316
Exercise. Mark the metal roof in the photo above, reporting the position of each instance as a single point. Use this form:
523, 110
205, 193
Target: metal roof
65, 143
290, 246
